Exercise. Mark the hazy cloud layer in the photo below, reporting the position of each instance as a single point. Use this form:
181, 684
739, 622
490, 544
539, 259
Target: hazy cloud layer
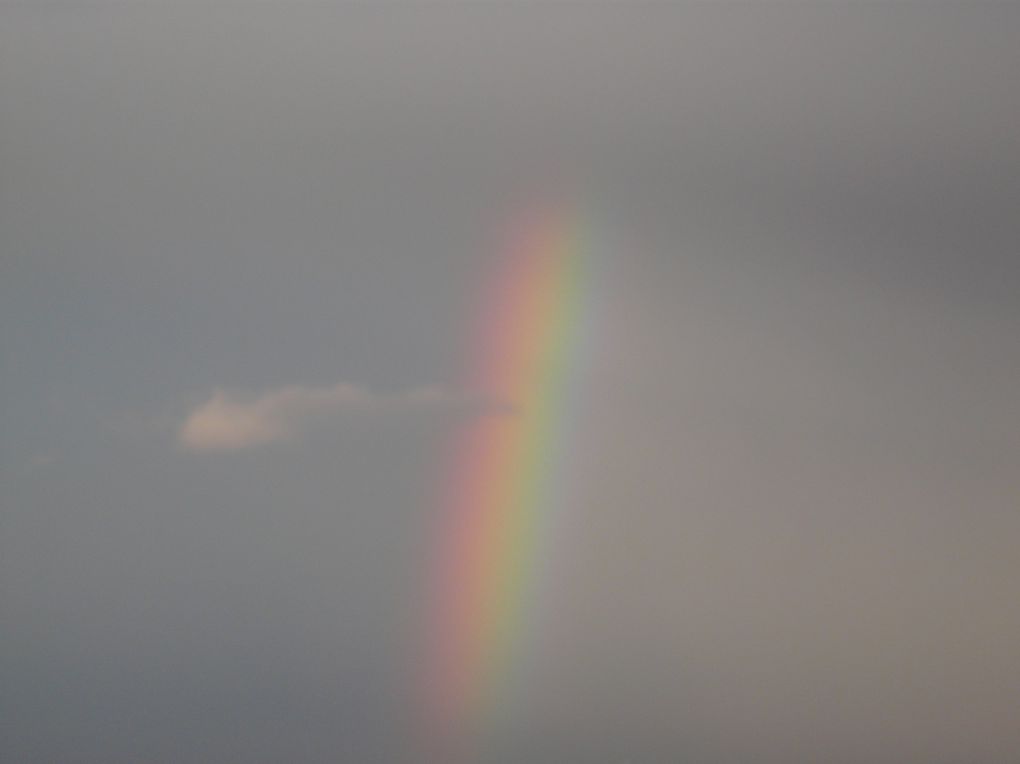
229, 421
794, 529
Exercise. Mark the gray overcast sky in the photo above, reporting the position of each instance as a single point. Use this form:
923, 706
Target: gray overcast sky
798, 518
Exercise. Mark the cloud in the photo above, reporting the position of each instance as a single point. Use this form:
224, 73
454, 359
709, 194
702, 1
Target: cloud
231, 420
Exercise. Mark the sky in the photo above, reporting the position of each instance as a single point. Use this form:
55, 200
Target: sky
241, 249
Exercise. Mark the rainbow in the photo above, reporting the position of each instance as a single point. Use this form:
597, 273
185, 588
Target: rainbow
504, 483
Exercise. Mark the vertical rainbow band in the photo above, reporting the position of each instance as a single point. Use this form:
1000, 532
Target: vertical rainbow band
503, 486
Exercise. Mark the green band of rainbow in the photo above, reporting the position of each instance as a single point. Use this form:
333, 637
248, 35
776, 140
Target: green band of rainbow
504, 483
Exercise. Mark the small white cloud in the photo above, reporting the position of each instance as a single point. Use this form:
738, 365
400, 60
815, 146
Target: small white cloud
42, 460
230, 421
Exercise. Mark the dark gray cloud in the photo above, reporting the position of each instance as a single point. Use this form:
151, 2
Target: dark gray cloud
795, 525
